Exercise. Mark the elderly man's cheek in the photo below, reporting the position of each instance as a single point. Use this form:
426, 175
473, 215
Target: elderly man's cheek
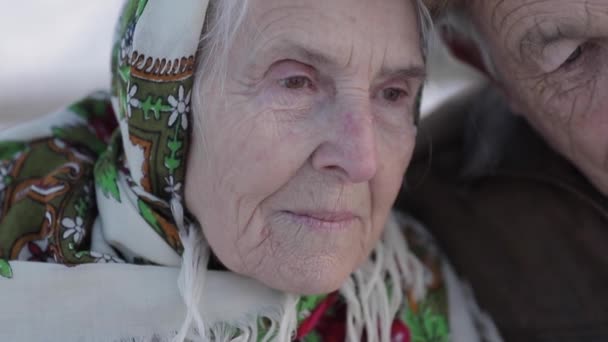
555, 100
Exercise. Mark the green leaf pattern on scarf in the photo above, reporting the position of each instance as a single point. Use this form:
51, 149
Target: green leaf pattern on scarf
427, 322
5, 269
106, 174
8, 149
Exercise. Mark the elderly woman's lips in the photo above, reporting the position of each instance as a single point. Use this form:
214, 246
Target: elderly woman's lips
325, 220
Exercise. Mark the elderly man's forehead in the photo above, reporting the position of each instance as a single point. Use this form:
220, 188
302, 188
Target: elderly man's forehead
507, 12
511, 23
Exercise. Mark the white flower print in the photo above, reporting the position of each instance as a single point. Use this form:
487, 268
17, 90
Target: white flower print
87, 190
304, 314
181, 107
4, 171
173, 188
102, 258
88, 193
131, 101
75, 228
125, 50
126, 43
59, 143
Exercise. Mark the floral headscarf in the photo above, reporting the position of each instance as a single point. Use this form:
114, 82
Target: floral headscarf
120, 155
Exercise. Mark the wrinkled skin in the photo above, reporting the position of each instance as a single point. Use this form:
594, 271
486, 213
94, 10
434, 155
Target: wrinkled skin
299, 159
551, 59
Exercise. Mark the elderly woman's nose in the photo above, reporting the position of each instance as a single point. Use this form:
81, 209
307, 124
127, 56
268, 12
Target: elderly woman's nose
350, 146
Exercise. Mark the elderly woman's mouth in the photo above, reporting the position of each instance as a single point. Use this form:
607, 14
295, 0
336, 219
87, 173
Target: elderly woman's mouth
322, 220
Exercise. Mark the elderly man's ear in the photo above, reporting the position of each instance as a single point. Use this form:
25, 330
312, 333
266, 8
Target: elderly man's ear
464, 49
467, 50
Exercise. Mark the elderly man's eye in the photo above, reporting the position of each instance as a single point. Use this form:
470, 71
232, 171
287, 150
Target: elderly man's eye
574, 56
296, 82
393, 94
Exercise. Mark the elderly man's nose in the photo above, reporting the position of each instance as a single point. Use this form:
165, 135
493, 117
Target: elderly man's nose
350, 147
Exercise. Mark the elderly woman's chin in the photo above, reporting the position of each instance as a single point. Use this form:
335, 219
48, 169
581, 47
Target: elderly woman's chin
297, 257
315, 275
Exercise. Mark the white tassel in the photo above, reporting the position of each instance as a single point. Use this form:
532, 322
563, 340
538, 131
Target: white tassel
191, 280
354, 326
369, 306
289, 321
411, 267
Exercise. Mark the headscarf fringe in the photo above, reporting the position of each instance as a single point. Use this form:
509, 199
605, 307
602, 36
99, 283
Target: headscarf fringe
374, 294
191, 279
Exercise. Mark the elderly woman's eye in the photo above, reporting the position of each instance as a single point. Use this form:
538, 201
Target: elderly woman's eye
296, 82
393, 94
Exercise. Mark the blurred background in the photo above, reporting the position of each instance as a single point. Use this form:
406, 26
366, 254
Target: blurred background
55, 52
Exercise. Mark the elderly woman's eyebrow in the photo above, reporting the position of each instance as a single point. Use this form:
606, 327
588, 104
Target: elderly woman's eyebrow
287, 49
414, 71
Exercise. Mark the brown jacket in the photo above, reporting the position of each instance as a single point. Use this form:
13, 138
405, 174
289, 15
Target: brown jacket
517, 221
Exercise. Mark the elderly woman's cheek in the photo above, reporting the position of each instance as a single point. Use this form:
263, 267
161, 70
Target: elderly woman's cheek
285, 104
397, 134
396, 146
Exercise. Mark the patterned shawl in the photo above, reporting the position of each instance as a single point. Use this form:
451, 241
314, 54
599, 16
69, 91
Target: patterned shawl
109, 161
99, 182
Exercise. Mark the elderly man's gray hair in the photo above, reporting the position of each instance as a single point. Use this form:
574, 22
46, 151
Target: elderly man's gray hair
456, 19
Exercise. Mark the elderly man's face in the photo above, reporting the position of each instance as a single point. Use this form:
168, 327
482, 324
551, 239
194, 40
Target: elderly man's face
301, 155
552, 57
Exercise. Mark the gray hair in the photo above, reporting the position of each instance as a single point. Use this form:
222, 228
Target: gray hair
224, 19
457, 20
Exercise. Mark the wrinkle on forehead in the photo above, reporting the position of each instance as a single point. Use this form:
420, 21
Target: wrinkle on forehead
521, 24
278, 23
289, 23
508, 12
508, 20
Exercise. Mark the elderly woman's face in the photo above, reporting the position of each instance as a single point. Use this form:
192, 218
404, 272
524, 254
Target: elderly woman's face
301, 154
553, 59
